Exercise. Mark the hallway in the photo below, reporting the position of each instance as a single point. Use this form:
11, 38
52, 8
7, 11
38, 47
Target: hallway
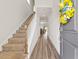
38, 29
44, 50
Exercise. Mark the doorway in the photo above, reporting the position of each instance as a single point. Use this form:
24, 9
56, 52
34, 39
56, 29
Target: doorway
44, 27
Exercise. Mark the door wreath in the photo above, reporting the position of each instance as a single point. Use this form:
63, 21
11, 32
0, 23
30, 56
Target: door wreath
66, 11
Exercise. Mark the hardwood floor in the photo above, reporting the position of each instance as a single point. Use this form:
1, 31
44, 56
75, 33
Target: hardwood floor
43, 50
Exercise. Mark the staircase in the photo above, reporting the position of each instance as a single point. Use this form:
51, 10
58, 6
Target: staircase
17, 47
44, 50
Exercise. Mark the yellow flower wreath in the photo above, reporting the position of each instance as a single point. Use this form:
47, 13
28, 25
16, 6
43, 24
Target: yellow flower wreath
66, 11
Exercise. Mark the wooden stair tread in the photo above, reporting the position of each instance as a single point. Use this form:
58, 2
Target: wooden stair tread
19, 38
20, 31
14, 45
19, 34
16, 41
11, 55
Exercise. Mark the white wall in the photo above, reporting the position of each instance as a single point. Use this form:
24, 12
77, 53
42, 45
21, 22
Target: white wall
53, 21
33, 34
12, 14
32, 3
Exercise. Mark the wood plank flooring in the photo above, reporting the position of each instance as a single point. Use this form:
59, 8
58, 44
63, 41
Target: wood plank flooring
43, 50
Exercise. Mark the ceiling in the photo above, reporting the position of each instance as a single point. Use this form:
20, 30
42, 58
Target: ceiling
43, 19
44, 11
